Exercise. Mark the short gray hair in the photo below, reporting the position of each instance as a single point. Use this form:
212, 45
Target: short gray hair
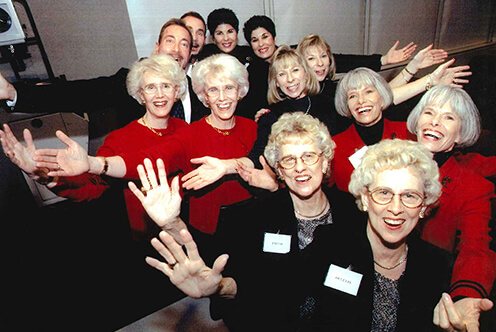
461, 104
298, 127
221, 66
397, 154
161, 65
357, 78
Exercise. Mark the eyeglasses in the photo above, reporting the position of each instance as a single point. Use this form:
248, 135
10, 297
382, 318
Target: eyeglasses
229, 90
151, 89
308, 158
410, 199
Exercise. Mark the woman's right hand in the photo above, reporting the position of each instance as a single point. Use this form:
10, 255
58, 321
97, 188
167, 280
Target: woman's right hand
71, 161
187, 270
161, 202
261, 112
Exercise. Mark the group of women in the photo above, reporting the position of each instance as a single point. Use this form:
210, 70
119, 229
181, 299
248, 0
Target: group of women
377, 267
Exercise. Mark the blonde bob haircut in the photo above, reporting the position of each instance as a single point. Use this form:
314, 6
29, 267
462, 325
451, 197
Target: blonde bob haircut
220, 67
397, 154
161, 65
357, 78
286, 57
461, 104
319, 42
298, 128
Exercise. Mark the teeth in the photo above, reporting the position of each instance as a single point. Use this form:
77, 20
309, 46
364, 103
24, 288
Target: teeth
293, 87
302, 178
433, 134
394, 222
224, 106
160, 103
364, 109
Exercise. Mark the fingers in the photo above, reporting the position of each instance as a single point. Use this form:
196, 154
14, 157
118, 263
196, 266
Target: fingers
162, 174
66, 140
263, 162
138, 193
143, 177
220, 263
190, 245
173, 247
200, 160
28, 138
150, 172
161, 266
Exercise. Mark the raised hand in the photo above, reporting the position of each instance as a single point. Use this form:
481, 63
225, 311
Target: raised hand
210, 170
444, 74
426, 57
187, 270
261, 178
161, 202
395, 56
71, 161
463, 315
20, 155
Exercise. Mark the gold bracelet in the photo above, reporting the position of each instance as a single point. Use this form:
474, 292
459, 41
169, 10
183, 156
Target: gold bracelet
428, 85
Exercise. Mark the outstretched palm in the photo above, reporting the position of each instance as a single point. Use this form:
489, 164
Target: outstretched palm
20, 155
161, 202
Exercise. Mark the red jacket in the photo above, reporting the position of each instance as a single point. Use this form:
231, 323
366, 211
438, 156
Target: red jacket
348, 142
460, 224
132, 137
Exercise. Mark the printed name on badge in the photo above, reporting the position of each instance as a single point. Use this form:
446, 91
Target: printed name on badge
343, 280
277, 243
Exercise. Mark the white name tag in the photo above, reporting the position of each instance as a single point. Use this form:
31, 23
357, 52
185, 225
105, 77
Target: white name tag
343, 280
277, 243
356, 158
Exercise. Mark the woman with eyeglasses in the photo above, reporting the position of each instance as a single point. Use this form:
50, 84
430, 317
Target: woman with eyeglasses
157, 83
265, 238
376, 273
220, 81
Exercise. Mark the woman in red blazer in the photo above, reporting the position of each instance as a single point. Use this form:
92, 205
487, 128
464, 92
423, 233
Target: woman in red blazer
362, 94
446, 119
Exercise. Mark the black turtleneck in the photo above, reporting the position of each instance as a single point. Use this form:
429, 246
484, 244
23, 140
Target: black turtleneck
442, 157
371, 135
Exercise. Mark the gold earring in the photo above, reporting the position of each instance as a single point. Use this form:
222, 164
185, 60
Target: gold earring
421, 214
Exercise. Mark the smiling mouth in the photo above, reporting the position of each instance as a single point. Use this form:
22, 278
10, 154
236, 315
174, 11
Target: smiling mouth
432, 134
320, 72
160, 103
394, 222
303, 178
364, 110
224, 106
293, 88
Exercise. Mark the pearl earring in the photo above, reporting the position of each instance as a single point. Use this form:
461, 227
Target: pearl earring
421, 214
364, 208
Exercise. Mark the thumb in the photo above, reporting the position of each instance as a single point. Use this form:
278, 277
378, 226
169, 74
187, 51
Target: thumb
485, 304
220, 263
65, 139
201, 160
28, 138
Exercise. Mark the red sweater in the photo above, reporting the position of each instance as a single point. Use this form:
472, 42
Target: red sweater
132, 137
460, 224
198, 140
348, 142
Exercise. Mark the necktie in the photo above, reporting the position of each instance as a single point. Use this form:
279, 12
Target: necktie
178, 110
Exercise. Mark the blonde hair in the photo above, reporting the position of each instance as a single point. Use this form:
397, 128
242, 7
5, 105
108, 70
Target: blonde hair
285, 57
317, 41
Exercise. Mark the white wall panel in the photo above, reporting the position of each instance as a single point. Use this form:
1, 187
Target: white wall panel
340, 22
402, 20
465, 23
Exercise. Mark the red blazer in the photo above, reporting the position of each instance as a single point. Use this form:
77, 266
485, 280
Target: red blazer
348, 142
460, 224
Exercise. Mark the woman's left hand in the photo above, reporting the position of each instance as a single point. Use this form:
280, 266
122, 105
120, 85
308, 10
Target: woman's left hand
426, 57
454, 76
463, 315
395, 56
210, 170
